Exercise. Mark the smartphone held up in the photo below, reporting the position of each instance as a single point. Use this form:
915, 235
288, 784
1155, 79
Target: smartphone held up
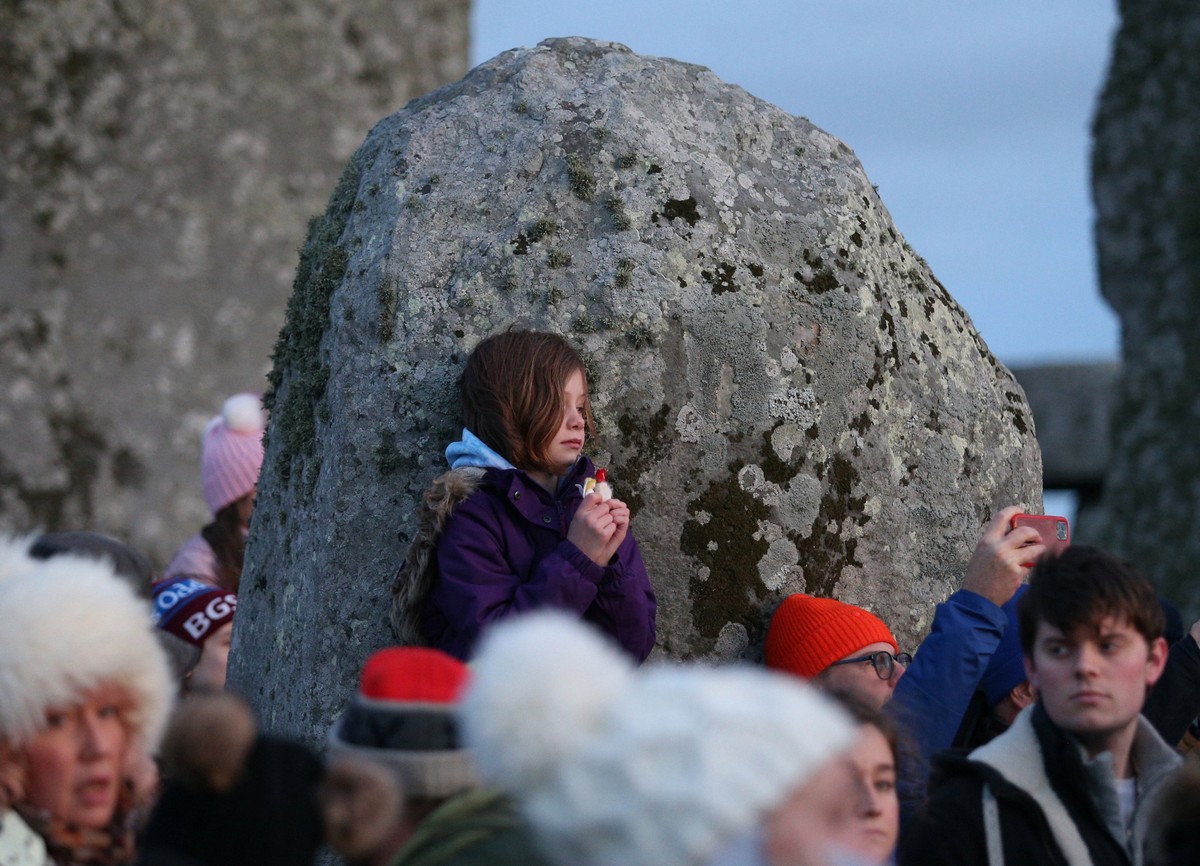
1054, 531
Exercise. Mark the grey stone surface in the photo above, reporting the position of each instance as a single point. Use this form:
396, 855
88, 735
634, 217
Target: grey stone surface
160, 160
1146, 187
787, 396
1072, 406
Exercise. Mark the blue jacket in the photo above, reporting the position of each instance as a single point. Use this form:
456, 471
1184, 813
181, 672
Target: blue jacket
504, 550
931, 698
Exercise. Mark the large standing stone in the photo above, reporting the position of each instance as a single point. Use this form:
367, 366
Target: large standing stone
788, 398
160, 160
1146, 185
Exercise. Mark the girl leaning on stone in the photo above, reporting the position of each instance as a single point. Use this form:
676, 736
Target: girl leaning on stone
516, 523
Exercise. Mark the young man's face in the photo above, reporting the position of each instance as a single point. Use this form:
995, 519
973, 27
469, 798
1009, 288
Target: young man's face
1093, 682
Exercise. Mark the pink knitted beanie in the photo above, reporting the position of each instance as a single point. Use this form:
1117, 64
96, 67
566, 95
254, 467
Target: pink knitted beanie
232, 454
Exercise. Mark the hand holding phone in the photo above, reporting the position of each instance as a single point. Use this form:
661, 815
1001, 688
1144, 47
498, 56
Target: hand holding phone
1054, 532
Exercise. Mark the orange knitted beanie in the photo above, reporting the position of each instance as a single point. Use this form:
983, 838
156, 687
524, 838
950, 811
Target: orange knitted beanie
807, 634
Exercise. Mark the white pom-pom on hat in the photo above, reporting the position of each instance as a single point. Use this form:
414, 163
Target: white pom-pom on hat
542, 684
232, 453
617, 767
243, 413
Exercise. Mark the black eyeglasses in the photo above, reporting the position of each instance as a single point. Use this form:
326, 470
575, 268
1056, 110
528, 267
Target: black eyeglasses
883, 662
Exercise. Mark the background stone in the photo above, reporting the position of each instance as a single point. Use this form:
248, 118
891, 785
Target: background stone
788, 399
1146, 187
160, 160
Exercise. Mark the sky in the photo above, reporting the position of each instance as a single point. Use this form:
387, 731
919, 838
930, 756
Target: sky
973, 120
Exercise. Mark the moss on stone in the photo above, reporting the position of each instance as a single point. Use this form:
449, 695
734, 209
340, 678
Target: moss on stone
829, 548
616, 208
679, 208
386, 295
583, 182
726, 545
299, 374
645, 441
557, 258
624, 273
775, 470
542, 228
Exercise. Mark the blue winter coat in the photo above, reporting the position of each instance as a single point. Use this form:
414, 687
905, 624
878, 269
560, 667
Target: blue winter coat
504, 550
931, 698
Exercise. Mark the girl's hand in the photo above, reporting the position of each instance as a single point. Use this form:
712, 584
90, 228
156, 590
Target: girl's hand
593, 527
619, 512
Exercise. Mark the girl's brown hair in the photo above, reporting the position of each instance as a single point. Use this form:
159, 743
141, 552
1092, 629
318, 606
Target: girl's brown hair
224, 535
512, 394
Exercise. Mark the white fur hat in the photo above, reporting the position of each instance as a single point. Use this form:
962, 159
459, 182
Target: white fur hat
669, 764
68, 624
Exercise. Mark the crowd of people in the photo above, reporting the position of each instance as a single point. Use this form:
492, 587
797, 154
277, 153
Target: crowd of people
1043, 720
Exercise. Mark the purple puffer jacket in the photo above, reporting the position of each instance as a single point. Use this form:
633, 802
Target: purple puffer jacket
505, 550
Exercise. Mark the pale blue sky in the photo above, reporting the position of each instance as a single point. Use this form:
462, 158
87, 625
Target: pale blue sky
972, 119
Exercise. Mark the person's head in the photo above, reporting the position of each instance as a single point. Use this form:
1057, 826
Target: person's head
840, 647
524, 393
232, 794
231, 457
84, 687
396, 753
874, 759
1091, 633
129, 564
202, 615
662, 764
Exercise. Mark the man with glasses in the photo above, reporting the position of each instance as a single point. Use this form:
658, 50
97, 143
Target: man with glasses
845, 649
840, 647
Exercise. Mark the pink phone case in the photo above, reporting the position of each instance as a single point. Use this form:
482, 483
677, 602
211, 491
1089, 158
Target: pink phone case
1055, 531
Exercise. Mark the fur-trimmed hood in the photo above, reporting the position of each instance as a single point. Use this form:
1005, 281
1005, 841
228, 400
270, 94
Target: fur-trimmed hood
411, 584
68, 624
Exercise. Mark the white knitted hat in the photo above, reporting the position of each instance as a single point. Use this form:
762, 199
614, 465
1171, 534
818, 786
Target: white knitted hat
68, 624
232, 453
669, 764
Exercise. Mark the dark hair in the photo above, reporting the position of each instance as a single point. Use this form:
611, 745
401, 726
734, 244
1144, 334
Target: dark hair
864, 715
1082, 585
512, 394
224, 535
130, 565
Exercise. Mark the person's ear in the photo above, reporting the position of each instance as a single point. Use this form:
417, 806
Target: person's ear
1023, 694
1156, 660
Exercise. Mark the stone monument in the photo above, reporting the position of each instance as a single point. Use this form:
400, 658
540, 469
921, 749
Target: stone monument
160, 162
1146, 188
787, 397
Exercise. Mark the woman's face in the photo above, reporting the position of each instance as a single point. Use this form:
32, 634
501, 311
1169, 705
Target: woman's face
877, 816
73, 765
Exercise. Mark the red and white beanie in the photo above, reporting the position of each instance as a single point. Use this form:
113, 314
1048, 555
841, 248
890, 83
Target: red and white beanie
232, 453
191, 609
405, 716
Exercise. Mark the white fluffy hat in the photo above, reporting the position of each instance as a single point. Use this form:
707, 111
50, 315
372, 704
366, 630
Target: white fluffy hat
668, 764
68, 624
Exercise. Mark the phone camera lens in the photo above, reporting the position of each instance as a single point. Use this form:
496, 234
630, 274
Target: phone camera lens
1060, 530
